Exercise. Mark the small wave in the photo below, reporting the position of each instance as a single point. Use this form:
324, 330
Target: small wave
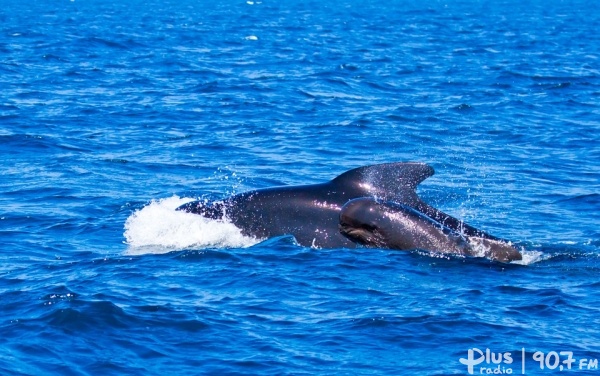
159, 228
587, 199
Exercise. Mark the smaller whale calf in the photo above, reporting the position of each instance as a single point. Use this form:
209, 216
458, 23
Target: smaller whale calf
385, 224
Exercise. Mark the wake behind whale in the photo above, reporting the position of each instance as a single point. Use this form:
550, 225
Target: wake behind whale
159, 228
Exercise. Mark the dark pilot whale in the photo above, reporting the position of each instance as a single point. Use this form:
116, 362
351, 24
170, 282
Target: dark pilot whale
311, 212
375, 223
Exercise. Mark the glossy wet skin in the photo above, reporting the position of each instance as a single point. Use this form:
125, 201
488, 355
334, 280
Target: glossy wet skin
311, 213
391, 225
396, 226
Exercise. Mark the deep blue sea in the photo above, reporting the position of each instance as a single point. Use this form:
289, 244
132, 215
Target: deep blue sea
112, 114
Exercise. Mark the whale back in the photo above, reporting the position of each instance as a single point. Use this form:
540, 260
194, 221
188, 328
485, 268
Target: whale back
311, 212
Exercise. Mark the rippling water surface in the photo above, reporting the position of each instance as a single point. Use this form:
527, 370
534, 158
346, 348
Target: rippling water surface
113, 114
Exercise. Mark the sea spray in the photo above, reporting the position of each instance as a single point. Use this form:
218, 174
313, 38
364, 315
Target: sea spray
159, 228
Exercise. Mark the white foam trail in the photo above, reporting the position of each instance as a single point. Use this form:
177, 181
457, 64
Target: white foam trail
159, 228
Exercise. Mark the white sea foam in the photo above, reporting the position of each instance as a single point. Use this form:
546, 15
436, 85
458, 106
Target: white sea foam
531, 257
159, 228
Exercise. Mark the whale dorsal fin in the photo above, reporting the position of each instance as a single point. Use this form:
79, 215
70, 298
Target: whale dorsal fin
388, 181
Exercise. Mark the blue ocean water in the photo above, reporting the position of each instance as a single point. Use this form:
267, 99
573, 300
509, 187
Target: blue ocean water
114, 113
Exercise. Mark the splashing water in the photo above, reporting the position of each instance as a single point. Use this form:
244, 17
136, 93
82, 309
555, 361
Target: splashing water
159, 228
